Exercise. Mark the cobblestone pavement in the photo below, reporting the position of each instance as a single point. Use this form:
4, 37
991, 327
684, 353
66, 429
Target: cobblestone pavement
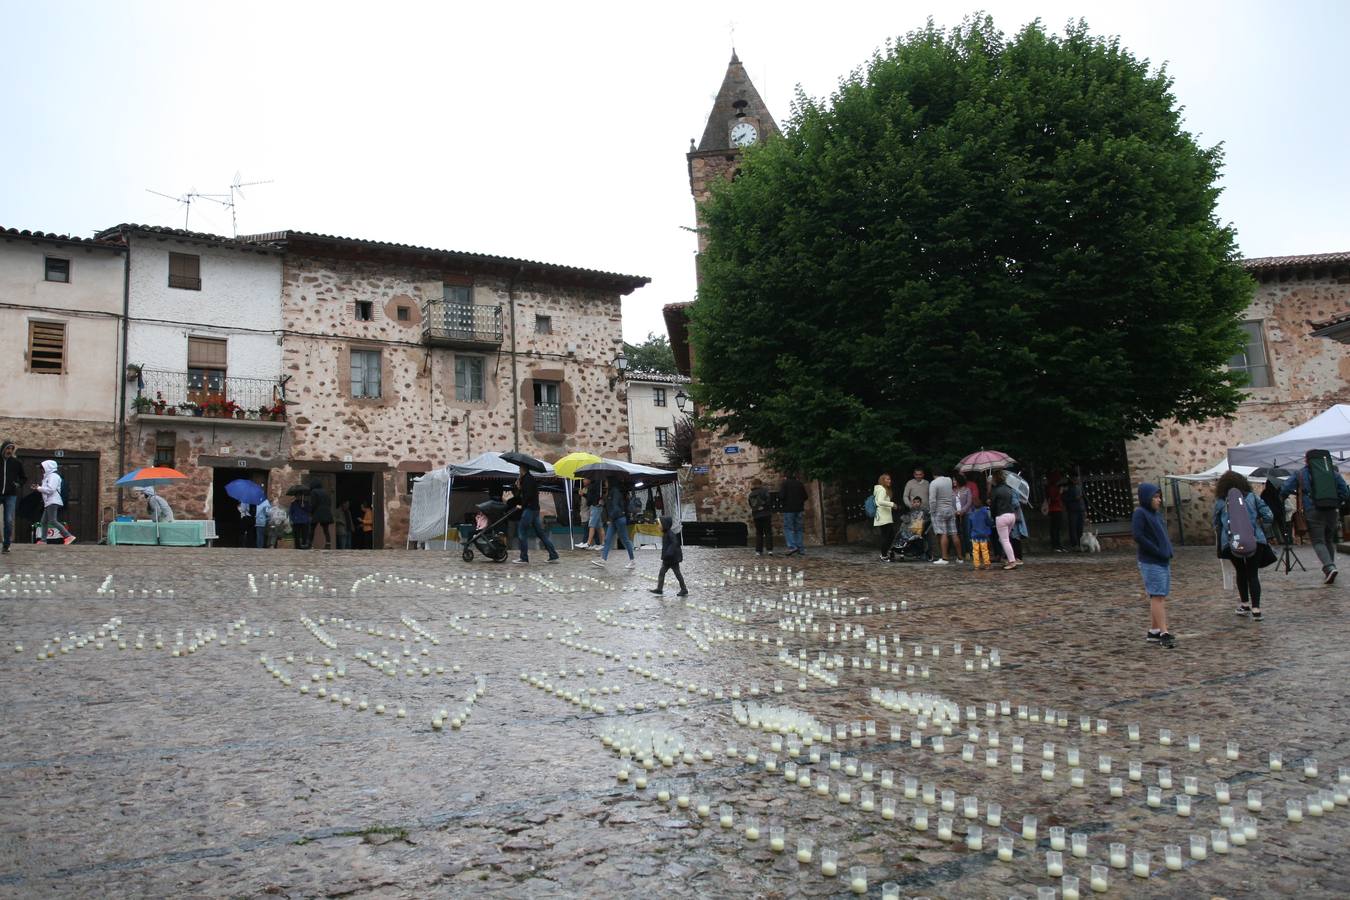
231, 764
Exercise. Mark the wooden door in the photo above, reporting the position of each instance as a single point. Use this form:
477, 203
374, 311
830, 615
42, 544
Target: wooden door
80, 471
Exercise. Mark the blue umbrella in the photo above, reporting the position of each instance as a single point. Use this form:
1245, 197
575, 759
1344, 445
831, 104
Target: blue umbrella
246, 491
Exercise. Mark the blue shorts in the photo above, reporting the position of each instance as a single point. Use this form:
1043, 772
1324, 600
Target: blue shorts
594, 520
1157, 578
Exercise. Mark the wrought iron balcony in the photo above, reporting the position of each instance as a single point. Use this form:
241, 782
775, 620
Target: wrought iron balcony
548, 418
466, 325
208, 393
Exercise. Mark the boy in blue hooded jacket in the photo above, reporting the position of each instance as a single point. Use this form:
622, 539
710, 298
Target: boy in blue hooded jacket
1155, 560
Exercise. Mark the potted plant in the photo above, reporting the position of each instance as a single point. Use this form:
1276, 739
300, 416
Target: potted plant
189, 408
142, 404
277, 412
159, 403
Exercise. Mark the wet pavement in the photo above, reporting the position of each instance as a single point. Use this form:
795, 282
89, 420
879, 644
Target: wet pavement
227, 754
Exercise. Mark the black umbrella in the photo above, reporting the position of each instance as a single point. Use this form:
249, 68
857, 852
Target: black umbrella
297, 490
524, 459
1270, 472
602, 468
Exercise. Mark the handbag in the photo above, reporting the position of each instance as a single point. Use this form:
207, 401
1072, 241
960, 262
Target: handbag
1265, 556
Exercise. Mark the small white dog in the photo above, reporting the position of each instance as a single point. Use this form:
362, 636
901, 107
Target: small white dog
1088, 543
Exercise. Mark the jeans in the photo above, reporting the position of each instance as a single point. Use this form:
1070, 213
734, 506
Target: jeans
1076, 522
51, 518
344, 540
261, 532
617, 526
9, 503
763, 534
532, 521
1324, 526
792, 531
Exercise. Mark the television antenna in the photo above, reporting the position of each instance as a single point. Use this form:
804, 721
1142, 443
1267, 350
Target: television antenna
229, 199
184, 199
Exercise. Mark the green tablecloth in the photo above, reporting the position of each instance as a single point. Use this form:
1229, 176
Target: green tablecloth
171, 534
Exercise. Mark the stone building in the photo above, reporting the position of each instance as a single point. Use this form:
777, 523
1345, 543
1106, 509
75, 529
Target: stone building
204, 336
656, 404
1294, 374
400, 359
61, 365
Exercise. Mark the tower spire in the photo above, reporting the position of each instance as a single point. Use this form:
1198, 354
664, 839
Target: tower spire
736, 99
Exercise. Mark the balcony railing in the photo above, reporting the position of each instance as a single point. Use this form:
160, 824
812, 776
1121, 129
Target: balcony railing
548, 418
462, 324
207, 392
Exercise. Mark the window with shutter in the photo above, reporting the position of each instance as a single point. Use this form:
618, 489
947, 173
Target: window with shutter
206, 368
366, 374
185, 271
47, 347
469, 379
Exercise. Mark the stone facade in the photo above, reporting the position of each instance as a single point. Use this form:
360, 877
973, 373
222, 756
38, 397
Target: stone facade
1307, 374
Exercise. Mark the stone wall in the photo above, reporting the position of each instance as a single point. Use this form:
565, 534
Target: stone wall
1307, 376
75, 438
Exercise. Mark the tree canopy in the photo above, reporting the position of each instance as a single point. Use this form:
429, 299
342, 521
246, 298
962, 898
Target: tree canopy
975, 241
652, 355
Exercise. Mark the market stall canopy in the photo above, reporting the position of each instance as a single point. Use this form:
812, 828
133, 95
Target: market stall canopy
1212, 473
1328, 431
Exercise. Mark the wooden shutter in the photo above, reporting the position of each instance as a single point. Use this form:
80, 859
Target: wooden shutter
47, 347
185, 271
206, 353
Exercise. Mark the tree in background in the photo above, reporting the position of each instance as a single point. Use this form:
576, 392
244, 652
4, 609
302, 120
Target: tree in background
975, 242
680, 450
652, 355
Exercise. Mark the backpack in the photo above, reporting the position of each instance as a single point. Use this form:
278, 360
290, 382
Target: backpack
1323, 477
870, 506
1239, 533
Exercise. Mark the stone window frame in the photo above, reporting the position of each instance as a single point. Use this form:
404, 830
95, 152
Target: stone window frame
567, 403
1260, 374
346, 382
364, 310
543, 324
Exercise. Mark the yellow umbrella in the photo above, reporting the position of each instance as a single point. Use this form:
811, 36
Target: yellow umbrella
568, 465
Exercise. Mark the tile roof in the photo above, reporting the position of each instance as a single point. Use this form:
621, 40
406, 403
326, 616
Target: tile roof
53, 238
119, 234
1331, 327
624, 283
656, 377
1290, 262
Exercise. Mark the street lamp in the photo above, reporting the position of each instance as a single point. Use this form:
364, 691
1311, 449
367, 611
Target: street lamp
681, 399
621, 366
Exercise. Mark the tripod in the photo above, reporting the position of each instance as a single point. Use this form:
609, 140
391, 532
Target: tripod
1288, 558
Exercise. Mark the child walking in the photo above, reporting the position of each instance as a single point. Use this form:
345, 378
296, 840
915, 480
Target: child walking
1155, 561
50, 488
672, 554
981, 530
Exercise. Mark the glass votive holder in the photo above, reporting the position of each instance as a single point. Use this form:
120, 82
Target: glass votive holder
1103, 726
1085, 724
702, 806
916, 739
1172, 856
1276, 761
911, 788
1098, 881
974, 837
1309, 767
1104, 764
1183, 805
1078, 845
777, 838
890, 891
1005, 849
939, 744
1018, 745
970, 807
967, 752
1022, 712
836, 762
1048, 771
895, 733
866, 800
1254, 801
992, 738
1071, 756
1068, 888
829, 862
1141, 866
1132, 730
1165, 778
870, 727
1016, 762
850, 767
1343, 774
867, 771
804, 778
1293, 810
930, 793
725, 817
1226, 816
770, 762
845, 792
887, 779
1136, 770
1116, 786
1222, 793
823, 785
948, 801
993, 814
1057, 837
1117, 856
1076, 777
1028, 828
1191, 785
1047, 751
1314, 805
1237, 837
1231, 751
888, 808
944, 828
920, 819
1193, 743
751, 824
790, 771
1054, 864
1154, 796
805, 849
1248, 826
857, 879
1218, 839
991, 758
1165, 737
1199, 847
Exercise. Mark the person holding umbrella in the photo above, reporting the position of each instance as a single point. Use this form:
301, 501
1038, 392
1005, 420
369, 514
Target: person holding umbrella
527, 498
300, 518
616, 508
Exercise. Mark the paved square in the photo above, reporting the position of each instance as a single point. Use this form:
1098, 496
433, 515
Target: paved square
225, 750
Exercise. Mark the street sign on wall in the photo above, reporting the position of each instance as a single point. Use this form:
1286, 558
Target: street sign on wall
732, 449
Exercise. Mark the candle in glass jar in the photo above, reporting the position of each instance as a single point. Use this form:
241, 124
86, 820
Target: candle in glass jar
1254, 801
1068, 888
887, 779
1028, 828
805, 849
1016, 762
1226, 816
1141, 865
930, 793
1057, 837
920, 818
857, 879
1076, 777
1193, 743
752, 828
1132, 730
974, 838
944, 828
1165, 737
911, 788
829, 862
1183, 805
1078, 845
1116, 787
1172, 856
823, 785
1309, 767
1199, 850
777, 838
1098, 881
1047, 751
866, 802
1054, 864
888, 808
1104, 764
1276, 762
1154, 796
702, 806
725, 816
948, 801
1191, 785
1048, 771
1218, 839
1117, 856
1165, 778
1136, 770
993, 814
1221, 791
991, 758
1005, 849
1071, 756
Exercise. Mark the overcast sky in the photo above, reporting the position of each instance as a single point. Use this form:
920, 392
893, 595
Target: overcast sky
558, 131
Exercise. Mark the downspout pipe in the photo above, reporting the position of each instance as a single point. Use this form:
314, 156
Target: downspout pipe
515, 375
121, 373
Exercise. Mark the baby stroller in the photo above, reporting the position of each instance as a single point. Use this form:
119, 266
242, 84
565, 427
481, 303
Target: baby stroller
483, 535
913, 535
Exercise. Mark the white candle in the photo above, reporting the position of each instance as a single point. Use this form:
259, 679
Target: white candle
1054, 864
1098, 880
1117, 856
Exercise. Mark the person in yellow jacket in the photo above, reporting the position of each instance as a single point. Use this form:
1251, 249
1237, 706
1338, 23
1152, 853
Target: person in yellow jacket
883, 523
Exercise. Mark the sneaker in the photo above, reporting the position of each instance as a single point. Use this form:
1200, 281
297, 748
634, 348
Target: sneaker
1330, 576
520, 562
632, 564
768, 553
583, 546
1167, 640
655, 591
598, 562
70, 539
1243, 610
886, 557
682, 594
940, 562
1256, 615
6, 550
1154, 636
759, 552
552, 559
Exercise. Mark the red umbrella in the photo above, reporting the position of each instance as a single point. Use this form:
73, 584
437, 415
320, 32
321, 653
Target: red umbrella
985, 461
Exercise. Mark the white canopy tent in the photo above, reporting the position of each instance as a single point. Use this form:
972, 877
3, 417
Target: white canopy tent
1212, 473
429, 518
639, 476
1328, 431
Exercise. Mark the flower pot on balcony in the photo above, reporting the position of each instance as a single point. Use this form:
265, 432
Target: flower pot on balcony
166, 411
199, 412
238, 413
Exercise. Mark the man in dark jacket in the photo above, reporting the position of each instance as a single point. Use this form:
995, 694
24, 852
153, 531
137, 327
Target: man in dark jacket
1324, 520
321, 511
792, 498
12, 480
761, 513
1155, 560
672, 554
531, 520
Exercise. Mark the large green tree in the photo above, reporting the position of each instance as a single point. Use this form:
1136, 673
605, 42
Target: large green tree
975, 241
652, 355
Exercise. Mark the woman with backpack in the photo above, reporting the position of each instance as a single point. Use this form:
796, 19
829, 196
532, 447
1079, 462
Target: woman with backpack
883, 517
1240, 518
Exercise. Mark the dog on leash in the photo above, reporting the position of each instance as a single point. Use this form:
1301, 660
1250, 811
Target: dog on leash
1088, 543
